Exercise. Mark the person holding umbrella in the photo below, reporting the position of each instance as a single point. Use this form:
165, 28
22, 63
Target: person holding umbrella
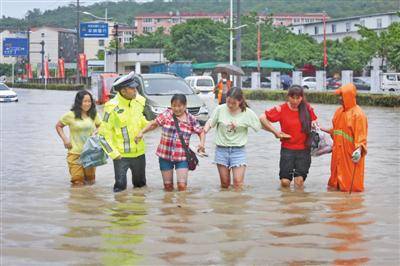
222, 88
225, 84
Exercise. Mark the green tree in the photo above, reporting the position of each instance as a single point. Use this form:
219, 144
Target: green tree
198, 40
157, 39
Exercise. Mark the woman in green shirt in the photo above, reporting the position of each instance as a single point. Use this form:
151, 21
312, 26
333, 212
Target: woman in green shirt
232, 121
82, 121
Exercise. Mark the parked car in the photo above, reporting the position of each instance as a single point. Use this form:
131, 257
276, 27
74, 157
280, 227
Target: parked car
203, 84
333, 83
265, 82
101, 86
390, 82
309, 83
361, 84
7, 94
158, 90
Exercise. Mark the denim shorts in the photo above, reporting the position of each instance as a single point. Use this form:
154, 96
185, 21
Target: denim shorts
230, 156
166, 165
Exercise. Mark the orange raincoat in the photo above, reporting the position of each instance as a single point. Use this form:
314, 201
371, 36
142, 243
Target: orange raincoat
219, 88
349, 132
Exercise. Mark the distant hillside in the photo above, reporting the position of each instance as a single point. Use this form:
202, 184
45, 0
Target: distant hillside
125, 11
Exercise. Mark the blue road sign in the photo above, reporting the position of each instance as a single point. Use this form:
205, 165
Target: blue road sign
15, 47
93, 30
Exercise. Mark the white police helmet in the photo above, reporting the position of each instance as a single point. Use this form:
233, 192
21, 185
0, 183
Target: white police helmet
131, 80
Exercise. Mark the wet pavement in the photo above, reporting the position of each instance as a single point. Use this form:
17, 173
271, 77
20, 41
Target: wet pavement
45, 222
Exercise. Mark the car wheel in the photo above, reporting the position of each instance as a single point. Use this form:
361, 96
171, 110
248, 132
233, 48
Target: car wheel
305, 87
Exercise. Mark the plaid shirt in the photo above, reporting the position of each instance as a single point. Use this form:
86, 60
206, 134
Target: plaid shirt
170, 147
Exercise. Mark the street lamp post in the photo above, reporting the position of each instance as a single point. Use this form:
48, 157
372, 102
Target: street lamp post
106, 18
116, 46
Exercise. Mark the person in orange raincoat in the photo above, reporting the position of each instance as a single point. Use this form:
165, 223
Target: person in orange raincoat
222, 88
349, 133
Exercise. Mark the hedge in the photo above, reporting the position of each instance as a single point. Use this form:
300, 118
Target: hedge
387, 100
63, 87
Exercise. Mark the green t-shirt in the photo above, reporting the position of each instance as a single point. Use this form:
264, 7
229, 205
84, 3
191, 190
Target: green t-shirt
232, 130
79, 130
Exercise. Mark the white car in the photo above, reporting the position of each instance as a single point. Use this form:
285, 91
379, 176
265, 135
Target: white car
309, 83
391, 82
7, 94
203, 84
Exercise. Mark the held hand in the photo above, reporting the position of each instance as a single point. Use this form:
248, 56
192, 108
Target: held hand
356, 156
201, 150
138, 137
67, 145
315, 124
282, 135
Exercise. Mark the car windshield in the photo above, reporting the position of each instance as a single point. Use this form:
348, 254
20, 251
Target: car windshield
166, 86
204, 83
3, 87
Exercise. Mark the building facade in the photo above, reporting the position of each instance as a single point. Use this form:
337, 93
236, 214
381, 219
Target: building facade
147, 23
289, 19
337, 29
59, 42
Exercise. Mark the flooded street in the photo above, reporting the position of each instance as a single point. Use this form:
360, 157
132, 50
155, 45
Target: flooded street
45, 222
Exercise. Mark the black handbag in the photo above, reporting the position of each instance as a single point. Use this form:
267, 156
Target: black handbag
190, 155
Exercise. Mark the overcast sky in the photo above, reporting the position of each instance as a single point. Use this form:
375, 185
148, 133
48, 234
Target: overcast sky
18, 8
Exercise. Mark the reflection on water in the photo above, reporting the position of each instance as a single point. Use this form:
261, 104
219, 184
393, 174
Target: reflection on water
45, 222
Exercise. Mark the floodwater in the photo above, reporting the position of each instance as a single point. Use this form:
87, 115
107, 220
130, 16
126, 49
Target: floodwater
45, 222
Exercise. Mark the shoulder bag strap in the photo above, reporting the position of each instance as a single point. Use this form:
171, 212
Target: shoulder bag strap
185, 147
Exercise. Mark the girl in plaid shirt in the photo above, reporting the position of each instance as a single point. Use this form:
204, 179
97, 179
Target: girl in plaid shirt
170, 150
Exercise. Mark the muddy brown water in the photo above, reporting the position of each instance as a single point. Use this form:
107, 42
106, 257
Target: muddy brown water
45, 222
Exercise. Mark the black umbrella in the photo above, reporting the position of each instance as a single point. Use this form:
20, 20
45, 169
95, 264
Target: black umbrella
229, 69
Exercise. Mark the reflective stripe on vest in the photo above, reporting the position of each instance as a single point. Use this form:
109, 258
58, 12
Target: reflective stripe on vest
345, 135
106, 117
105, 144
127, 142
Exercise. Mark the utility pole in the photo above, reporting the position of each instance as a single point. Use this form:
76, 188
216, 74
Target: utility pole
116, 44
78, 43
238, 43
231, 34
42, 53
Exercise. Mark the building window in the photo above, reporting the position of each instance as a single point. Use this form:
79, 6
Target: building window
148, 20
299, 31
348, 26
379, 23
175, 20
362, 23
101, 43
316, 30
147, 29
333, 28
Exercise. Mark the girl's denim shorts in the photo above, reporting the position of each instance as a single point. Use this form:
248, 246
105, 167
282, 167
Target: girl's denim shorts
230, 156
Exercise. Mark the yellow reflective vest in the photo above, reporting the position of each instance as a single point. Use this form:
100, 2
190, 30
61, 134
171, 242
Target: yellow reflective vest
123, 119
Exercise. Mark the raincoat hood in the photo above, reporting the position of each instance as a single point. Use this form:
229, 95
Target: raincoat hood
348, 93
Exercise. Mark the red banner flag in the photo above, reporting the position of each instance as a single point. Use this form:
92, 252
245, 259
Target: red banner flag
83, 64
46, 69
28, 69
61, 68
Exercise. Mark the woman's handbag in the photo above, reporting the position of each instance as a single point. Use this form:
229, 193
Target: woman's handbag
190, 155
